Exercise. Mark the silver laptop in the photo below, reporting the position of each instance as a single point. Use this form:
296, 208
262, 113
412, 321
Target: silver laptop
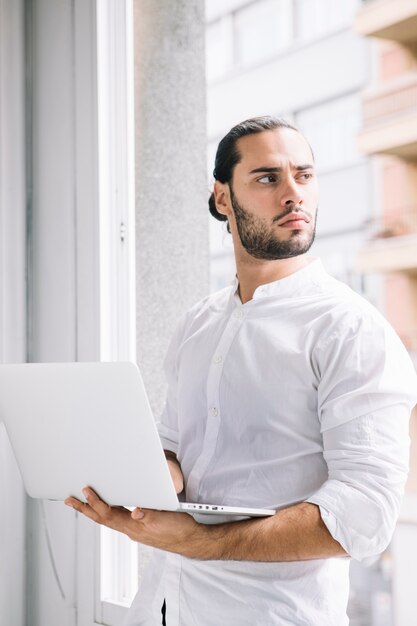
77, 424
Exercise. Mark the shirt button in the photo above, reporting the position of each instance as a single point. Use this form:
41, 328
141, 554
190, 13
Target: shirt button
218, 359
238, 314
213, 411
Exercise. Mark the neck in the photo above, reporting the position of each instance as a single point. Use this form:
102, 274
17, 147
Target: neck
253, 272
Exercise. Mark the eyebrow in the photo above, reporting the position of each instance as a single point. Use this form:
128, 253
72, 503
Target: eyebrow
277, 170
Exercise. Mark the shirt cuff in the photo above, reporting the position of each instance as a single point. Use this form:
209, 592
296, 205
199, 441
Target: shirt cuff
362, 528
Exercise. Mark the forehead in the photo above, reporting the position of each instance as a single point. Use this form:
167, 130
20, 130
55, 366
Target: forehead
273, 148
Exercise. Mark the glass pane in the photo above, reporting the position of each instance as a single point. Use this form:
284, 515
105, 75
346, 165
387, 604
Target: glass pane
118, 557
216, 8
332, 129
314, 18
262, 29
219, 47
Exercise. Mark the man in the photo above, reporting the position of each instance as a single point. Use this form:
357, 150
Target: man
287, 391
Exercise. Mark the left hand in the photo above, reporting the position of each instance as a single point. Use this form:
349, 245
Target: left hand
166, 530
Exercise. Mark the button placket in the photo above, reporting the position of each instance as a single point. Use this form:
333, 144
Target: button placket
213, 400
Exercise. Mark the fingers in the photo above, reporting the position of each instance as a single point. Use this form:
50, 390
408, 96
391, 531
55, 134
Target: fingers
137, 514
84, 508
96, 509
100, 507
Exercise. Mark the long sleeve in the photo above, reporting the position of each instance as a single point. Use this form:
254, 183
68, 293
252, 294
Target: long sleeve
367, 390
367, 459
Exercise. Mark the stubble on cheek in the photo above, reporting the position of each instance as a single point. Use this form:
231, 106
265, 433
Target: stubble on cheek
262, 240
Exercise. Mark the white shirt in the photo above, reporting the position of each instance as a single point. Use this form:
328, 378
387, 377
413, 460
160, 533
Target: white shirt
301, 394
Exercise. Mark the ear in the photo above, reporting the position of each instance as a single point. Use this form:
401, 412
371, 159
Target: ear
222, 198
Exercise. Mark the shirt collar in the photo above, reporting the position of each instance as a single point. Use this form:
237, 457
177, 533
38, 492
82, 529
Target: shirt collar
289, 285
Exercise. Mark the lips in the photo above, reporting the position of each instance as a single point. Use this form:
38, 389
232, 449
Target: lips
295, 219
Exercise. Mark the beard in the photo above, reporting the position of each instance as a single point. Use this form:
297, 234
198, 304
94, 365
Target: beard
260, 240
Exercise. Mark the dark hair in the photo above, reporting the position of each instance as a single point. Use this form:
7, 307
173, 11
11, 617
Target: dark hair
228, 156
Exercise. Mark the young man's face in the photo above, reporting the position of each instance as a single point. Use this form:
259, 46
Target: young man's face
273, 196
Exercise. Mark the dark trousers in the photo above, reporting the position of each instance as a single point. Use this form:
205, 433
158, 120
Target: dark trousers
163, 611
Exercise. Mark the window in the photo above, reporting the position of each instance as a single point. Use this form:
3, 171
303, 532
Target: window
117, 558
244, 36
331, 129
219, 47
314, 18
217, 8
122, 564
261, 30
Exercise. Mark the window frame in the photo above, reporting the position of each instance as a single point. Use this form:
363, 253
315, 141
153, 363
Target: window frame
112, 25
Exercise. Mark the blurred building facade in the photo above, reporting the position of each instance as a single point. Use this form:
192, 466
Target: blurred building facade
306, 61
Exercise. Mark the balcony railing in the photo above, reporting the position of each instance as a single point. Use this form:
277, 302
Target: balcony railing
399, 98
390, 118
392, 245
394, 224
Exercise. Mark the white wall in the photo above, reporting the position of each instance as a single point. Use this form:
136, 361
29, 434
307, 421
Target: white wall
12, 298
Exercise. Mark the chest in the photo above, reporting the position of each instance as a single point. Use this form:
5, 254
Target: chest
249, 373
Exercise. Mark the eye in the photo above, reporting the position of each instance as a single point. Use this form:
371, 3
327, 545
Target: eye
306, 176
269, 178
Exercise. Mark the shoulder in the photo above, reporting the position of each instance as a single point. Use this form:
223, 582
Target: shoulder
344, 311
203, 311
216, 301
356, 337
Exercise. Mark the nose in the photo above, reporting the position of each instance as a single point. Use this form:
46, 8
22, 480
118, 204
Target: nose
292, 192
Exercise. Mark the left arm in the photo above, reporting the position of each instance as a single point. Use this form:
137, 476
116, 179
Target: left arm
292, 534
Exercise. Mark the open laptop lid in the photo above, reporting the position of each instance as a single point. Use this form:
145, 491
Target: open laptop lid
61, 416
